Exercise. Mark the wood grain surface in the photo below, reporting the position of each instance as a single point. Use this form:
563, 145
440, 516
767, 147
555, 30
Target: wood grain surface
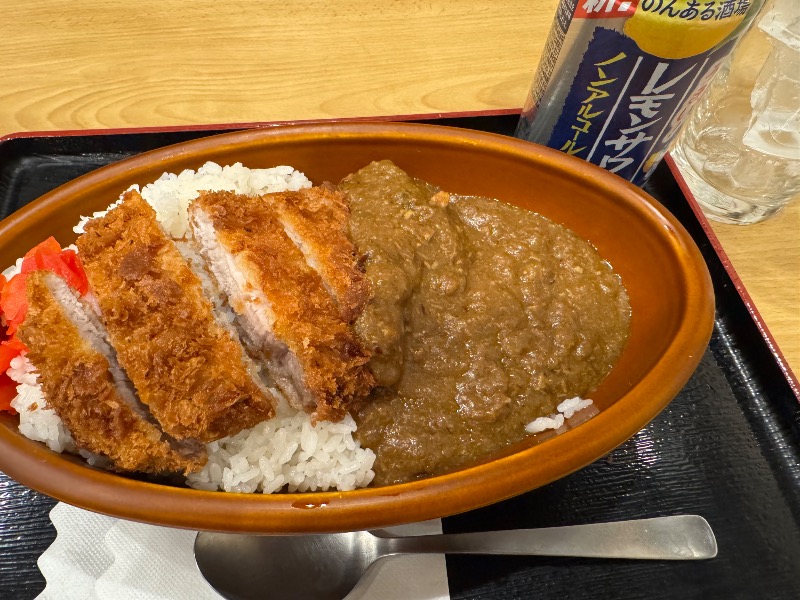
102, 64
766, 257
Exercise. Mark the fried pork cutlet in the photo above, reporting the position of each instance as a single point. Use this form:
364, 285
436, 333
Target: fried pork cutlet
186, 367
282, 304
317, 221
83, 384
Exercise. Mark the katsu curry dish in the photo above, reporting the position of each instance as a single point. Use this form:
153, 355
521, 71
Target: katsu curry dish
245, 330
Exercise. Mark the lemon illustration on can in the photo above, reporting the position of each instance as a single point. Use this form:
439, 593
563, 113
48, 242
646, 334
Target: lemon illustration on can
683, 28
652, 161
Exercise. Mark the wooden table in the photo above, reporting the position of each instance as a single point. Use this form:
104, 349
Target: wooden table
101, 64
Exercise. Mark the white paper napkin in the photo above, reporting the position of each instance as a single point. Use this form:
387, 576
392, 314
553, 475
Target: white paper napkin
95, 557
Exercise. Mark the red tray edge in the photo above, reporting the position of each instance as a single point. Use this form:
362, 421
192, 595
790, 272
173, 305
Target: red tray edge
256, 124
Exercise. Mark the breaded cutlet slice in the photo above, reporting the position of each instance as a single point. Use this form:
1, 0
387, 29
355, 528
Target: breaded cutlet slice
317, 221
280, 301
186, 366
83, 384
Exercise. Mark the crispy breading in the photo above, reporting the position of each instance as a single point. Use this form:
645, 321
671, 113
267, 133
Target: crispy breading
186, 368
298, 313
78, 385
317, 221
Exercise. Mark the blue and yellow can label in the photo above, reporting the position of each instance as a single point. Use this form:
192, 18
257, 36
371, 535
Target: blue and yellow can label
619, 77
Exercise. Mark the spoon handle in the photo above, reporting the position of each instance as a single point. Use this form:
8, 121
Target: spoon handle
683, 537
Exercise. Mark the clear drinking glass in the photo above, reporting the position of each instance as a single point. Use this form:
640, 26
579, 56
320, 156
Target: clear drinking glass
740, 151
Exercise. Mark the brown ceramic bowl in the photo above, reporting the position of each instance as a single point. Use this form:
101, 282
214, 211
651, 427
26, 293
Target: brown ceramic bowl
663, 271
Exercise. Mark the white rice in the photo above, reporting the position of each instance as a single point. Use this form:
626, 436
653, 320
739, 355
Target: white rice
36, 420
566, 409
287, 452
171, 194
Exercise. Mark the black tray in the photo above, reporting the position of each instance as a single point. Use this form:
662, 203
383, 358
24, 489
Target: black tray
727, 447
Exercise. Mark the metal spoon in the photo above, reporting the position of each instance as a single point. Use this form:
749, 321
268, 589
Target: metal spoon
328, 567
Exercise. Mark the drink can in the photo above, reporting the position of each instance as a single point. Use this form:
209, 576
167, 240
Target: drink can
618, 78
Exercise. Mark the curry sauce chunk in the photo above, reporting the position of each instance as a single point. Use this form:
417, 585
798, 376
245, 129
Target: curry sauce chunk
484, 317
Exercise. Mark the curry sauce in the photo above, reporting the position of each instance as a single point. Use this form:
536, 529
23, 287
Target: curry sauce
484, 316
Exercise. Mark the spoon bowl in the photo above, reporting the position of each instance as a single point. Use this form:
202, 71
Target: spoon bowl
325, 567
329, 566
